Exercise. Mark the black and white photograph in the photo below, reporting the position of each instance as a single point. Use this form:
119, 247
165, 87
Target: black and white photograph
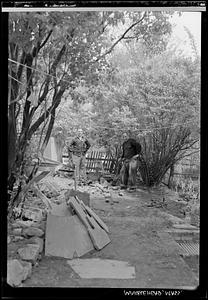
104, 147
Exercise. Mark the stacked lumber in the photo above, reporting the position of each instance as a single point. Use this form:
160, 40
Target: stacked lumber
75, 229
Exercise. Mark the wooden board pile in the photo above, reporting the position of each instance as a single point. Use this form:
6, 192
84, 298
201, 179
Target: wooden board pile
74, 229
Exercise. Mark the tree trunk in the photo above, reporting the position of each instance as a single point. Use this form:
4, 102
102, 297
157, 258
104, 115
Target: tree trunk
55, 104
170, 179
12, 135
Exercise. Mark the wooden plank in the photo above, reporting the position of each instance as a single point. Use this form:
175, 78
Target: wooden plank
51, 187
109, 161
32, 182
91, 213
45, 200
106, 164
96, 217
94, 160
79, 211
98, 236
89, 160
96, 156
40, 176
66, 237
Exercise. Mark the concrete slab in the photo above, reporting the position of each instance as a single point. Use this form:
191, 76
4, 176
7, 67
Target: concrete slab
61, 210
66, 237
102, 268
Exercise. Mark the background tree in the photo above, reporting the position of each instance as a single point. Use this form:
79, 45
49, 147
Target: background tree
48, 54
162, 94
54, 54
156, 97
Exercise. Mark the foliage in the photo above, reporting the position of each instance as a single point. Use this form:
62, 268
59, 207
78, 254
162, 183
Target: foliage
156, 99
157, 32
98, 100
108, 72
48, 53
54, 54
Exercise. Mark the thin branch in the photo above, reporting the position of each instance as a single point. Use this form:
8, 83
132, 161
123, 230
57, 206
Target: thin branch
121, 37
18, 98
182, 156
130, 37
189, 145
47, 38
15, 80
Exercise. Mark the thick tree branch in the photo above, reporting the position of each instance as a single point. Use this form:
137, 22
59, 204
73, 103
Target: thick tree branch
21, 66
35, 51
45, 115
48, 78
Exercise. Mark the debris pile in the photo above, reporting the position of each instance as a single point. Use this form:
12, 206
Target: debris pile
55, 221
74, 229
26, 234
27, 240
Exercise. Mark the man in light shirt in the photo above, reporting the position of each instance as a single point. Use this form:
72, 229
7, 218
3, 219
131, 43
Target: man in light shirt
78, 148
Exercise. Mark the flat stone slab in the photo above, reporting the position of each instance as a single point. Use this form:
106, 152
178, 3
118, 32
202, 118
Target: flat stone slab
35, 214
182, 232
17, 231
61, 210
102, 268
21, 223
185, 226
33, 231
66, 237
38, 241
30, 252
17, 271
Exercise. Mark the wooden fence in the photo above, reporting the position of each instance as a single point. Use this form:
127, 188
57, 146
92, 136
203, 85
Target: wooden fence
187, 170
188, 175
98, 160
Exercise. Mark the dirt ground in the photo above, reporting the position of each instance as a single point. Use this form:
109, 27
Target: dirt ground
138, 235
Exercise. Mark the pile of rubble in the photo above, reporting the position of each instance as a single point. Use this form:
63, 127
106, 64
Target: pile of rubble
28, 237
43, 215
103, 189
